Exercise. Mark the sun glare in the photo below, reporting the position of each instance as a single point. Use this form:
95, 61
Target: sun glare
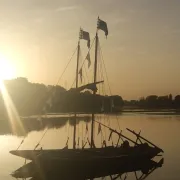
7, 72
6, 69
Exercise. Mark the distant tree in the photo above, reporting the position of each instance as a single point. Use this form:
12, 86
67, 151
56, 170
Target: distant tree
151, 101
141, 102
34, 98
177, 101
163, 102
170, 101
29, 98
170, 97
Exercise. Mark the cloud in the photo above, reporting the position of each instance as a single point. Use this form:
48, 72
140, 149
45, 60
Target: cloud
66, 8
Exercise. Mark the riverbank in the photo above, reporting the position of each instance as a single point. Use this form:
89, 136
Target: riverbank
151, 111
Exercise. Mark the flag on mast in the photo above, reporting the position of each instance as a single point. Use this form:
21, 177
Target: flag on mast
84, 35
88, 59
87, 127
49, 102
103, 26
80, 73
99, 128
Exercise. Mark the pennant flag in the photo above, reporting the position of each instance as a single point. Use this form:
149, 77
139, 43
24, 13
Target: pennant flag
104, 143
110, 136
99, 128
78, 142
39, 118
49, 102
84, 144
86, 127
112, 103
102, 107
88, 142
36, 146
80, 73
54, 93
103, 26
44, 109
85, 35
67, 141
89, 60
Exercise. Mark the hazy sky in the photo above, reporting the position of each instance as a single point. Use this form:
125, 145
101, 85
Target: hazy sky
142, 51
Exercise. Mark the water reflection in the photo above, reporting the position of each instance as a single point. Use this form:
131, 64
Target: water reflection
141, 169
55, 121
160, 129
36, 123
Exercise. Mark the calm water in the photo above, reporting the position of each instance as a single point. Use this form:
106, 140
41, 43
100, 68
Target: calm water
163, 130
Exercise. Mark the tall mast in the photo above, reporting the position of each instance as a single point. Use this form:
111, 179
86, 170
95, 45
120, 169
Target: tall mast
77, 71
94, 92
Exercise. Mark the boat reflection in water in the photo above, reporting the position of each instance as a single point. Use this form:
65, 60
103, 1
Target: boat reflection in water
115, 170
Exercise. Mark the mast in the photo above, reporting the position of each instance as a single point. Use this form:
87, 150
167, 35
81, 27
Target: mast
94, 92
77, 71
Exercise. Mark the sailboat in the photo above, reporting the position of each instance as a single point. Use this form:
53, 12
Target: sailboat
100, 157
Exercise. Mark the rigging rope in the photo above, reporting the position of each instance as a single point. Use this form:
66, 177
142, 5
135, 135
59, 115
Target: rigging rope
105, 117
57, 84
82, 133
108, 81
67, 133
85, 58
86, 74
66, 66
102, 76
21, 143
41, 139
105, 69
50, 92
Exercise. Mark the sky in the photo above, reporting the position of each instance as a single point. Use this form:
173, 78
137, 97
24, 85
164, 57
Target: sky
141, 53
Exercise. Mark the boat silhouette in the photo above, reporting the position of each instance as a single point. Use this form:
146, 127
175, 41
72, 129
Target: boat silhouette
97, 160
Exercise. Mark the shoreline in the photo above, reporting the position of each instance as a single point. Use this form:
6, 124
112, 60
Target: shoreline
152, 111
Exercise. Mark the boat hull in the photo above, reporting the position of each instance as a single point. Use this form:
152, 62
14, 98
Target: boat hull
139, 151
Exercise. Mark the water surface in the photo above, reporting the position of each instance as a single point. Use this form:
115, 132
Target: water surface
162, 130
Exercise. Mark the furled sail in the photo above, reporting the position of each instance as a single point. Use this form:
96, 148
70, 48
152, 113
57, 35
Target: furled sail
88, 59
90, 86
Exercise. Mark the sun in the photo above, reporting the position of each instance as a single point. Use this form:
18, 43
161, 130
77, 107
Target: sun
7, 70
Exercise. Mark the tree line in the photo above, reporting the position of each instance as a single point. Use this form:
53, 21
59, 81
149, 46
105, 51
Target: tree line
35, 98
155, 102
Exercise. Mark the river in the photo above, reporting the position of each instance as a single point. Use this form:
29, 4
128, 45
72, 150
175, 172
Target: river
162, 130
